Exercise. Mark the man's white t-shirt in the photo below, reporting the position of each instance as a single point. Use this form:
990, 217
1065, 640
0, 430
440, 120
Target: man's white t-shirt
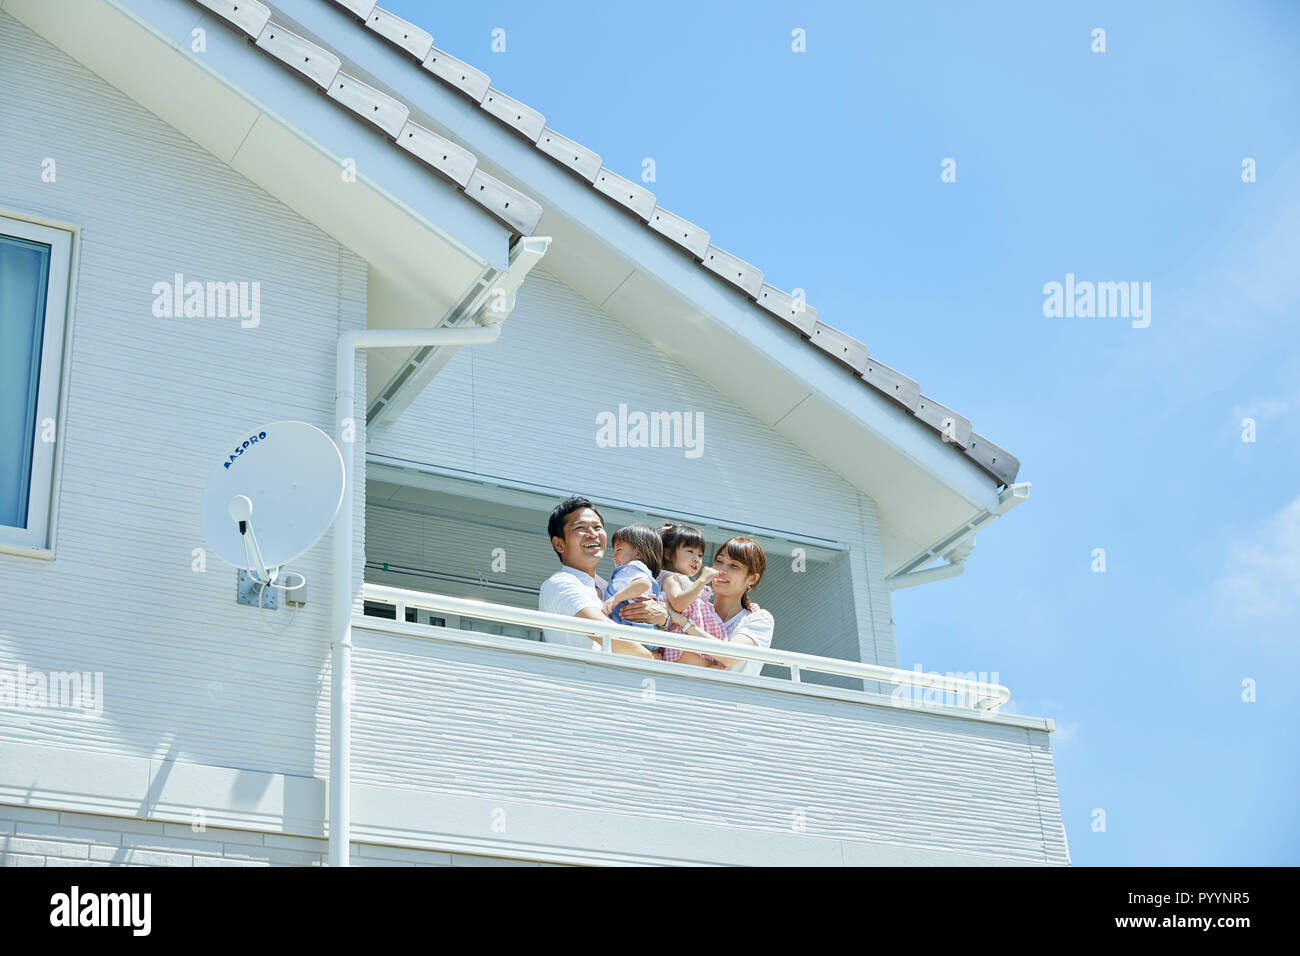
567, 592
758, 627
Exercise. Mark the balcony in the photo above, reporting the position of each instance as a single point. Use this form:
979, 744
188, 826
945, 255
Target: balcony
463, 738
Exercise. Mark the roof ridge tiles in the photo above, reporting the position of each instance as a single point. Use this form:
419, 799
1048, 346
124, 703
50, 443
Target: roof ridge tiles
324, 68
521, 212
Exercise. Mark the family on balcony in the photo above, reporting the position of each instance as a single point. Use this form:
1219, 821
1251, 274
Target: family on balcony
658, 580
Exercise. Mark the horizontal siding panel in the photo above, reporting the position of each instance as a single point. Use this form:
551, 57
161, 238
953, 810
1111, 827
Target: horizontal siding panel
479, 721
523, 427
820, 599
73, 838
151, 402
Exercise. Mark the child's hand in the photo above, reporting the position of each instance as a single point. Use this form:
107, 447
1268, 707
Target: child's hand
607, 608
707, 575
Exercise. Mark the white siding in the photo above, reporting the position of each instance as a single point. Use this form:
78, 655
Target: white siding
635, 743
811, 603
458, 546
504, 411
150, 404
31, 836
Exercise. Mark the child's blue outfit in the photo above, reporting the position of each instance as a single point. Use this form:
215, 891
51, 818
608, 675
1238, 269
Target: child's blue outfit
621, 578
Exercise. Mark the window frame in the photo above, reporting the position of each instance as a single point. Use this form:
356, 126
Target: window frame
37, 539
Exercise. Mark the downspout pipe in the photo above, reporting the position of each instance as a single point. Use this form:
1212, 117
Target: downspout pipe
340, 804
524, 254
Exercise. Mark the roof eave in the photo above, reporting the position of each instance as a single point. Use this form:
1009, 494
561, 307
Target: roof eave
474, 95
585, 210
237, 102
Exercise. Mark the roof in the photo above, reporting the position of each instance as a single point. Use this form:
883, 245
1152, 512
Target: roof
522, 213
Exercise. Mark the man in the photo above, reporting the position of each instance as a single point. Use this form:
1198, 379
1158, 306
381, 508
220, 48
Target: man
578, 537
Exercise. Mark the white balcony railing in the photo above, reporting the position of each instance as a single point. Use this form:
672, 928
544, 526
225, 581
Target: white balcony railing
979, 695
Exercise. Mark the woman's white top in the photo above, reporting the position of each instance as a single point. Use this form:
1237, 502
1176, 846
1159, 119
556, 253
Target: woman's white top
758, 627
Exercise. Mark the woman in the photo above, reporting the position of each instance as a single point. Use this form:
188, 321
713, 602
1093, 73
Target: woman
740, 564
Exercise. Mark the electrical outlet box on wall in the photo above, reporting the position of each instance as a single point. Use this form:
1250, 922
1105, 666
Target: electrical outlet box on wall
298, 596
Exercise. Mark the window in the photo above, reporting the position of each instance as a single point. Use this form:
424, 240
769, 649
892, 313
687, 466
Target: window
34, 265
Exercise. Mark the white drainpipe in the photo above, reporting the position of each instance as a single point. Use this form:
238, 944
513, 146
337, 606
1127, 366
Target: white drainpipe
524, 255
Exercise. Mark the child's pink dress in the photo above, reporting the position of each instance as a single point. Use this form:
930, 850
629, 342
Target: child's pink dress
700, 613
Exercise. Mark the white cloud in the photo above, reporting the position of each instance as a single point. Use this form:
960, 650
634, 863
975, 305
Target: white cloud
1266, 409
1263, 580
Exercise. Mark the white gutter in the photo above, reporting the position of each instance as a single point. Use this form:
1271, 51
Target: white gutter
525, 254
1013, 496
957, 552
949, 570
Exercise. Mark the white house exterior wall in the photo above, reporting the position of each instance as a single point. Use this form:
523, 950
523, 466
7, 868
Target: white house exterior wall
150, 404
213, 707
31, 836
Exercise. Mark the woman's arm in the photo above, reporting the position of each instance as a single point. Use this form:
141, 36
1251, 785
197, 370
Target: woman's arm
726, 662
755, 631
694, 630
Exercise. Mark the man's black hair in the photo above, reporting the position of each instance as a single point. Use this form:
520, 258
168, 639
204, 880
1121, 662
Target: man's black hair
555, 526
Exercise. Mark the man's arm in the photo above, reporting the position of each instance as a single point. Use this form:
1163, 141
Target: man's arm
646, 610
630, 648
639, 585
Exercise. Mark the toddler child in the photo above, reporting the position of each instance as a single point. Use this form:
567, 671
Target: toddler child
683, 555
638, 556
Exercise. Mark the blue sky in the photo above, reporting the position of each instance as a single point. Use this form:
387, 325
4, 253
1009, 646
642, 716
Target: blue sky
823, 169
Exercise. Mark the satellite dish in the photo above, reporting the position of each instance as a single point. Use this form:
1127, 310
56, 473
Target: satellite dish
283, 483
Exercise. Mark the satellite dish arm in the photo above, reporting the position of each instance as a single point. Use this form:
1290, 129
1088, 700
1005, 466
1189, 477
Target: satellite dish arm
258, 563
241, 509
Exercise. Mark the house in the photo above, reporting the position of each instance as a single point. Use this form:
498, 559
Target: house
216, 214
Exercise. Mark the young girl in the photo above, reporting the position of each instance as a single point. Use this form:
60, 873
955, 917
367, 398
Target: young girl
683, 550
638, 556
